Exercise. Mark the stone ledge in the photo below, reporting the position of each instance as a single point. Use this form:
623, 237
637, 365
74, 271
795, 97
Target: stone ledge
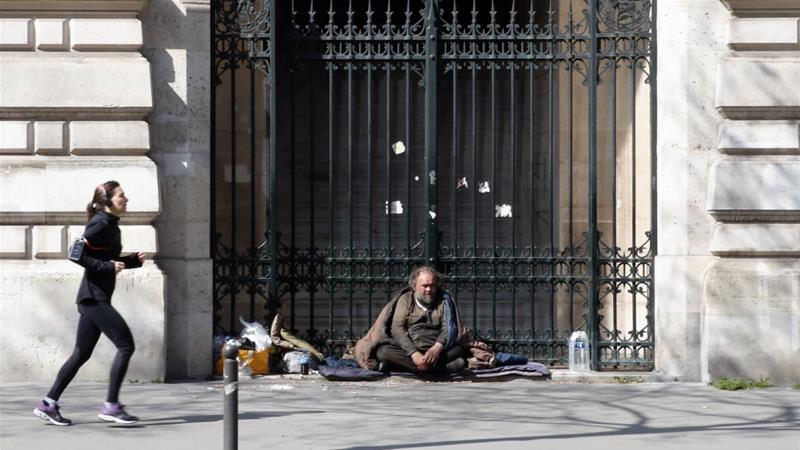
763, 8
773, 96
761, 189
759, 137
756, 239
66, 185
764, 34
59, 138
74, 84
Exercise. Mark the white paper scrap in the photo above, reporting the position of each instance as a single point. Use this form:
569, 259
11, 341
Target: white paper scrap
432, 214
432, 177
398, 147
502, 210
462, 183
395, 207
483, 187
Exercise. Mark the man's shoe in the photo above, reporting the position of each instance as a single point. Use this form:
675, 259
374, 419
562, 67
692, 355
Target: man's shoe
51, 413
382, 367
116, 413
457, 365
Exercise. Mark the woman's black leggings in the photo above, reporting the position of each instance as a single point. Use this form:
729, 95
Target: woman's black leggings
96, 318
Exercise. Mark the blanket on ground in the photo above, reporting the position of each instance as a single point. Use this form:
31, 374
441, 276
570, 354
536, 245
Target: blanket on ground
531, 370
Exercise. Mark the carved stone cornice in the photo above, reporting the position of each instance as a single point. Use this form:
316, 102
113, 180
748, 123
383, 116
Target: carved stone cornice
763, 8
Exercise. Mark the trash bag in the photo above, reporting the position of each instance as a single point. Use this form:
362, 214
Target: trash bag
256, 333
291, 362
250, 362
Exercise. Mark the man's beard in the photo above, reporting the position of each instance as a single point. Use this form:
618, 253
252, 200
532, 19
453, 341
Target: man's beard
426, 299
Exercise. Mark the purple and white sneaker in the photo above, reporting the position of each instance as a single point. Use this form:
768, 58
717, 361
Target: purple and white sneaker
50, 413
116, 413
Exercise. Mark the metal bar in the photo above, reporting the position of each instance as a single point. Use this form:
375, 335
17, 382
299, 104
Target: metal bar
474, 128
614, 261
431, 129
331, 202
634, 250
388, 256
273, 155
570, 175
551, 178
233, 252
409, 146
370, 207
454, 158
293, 195
513, 147
494, 188
592, 325
532, 156
350, 189
252, 249
311, 231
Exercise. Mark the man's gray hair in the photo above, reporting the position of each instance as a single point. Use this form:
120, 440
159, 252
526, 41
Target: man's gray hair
412, 279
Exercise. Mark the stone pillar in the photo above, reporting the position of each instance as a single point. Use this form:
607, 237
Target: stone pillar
176, 42
74, 97
752, 291
691, 39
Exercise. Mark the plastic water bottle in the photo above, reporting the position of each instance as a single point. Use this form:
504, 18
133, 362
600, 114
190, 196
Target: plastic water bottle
304, 362
579, 352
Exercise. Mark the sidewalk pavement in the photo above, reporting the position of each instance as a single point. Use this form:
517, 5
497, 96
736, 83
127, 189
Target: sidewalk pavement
309, 412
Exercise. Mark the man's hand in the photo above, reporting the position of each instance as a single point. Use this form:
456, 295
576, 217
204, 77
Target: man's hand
433, 353
118, 266
140, 256
419, 361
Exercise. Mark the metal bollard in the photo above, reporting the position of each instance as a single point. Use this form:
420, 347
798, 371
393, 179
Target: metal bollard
230, 375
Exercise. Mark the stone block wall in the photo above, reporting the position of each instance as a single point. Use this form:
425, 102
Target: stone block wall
751, 292
75, 96
727, 286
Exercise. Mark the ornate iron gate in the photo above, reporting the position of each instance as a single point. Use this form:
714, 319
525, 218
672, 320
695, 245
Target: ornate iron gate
508, 143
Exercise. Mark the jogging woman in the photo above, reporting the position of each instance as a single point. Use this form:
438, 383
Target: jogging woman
102, 262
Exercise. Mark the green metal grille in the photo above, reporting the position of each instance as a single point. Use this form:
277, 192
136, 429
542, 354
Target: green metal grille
509, 144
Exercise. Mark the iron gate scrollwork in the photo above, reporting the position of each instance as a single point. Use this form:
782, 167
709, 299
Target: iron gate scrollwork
508, 143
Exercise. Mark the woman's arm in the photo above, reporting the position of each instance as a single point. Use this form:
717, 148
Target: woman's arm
96, 236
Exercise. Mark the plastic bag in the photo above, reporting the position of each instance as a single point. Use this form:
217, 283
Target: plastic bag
292, 361
256, 333
250, 362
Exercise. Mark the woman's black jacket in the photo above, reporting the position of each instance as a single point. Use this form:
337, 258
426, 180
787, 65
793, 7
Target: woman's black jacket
102, 247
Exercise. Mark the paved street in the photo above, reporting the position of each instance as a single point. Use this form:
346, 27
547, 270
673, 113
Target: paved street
292, 412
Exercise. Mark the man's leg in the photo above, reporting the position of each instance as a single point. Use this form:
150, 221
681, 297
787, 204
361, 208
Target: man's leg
395, 358
452, 360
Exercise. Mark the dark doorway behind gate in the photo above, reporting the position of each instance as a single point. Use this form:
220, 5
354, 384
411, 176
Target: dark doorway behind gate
509, 144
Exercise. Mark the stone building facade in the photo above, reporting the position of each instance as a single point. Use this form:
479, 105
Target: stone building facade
119, 89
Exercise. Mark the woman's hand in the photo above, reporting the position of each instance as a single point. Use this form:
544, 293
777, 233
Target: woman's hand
118, 266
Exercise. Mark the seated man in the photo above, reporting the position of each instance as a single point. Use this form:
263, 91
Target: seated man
424, 330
